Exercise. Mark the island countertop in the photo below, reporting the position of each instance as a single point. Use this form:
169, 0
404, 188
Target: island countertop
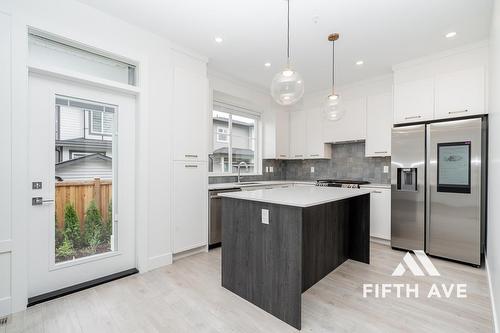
306, 196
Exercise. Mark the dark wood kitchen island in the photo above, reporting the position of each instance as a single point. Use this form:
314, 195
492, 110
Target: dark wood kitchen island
310, 231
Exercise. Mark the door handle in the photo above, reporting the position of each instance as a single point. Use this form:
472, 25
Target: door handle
413, 117
380, 152
38, 201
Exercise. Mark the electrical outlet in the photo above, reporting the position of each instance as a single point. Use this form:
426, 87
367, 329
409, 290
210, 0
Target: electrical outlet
312, 169
267, 169
265, 216
271, 169
386, 169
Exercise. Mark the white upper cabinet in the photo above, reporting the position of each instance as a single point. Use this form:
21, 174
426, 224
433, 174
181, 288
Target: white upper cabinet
316, 147
414, 101
190, 106
298, 134
378, 125
282, 135
460, 93
352, 126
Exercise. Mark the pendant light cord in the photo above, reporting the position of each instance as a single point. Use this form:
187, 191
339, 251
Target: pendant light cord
288, 34
333, 67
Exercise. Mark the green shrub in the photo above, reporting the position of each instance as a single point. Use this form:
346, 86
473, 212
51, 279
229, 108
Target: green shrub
107, 227
58, 234
71, 231
65, 249
93, 224
95, 240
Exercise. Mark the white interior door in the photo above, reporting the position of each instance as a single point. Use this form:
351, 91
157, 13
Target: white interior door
82, 144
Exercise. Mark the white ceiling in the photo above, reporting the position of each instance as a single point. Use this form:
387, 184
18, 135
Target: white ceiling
379, 32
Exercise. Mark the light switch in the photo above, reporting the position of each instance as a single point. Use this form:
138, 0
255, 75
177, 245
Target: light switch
267, 169
386, 169
271, 169
312, 169
265, 216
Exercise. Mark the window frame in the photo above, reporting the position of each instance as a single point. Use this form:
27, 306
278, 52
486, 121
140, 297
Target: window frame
232, 109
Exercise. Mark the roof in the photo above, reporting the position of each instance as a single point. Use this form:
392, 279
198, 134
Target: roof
84, 158
84, 143
236, 151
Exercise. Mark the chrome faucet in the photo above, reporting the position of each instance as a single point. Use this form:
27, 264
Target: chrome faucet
239, 169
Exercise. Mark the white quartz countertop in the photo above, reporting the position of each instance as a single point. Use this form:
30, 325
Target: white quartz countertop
303, 196
257, 183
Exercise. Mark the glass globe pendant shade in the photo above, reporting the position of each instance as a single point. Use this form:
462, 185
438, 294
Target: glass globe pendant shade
333, 108
287, 87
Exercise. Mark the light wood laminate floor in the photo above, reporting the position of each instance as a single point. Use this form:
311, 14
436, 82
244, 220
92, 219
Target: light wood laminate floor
187, 297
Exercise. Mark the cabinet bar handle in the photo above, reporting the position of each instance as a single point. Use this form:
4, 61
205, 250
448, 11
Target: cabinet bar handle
191, 155
461, 111
413, 117
299, 155
190, 166
282, 155
376, 192
380, 152
313, 155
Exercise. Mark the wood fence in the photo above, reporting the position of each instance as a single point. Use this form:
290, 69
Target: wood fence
80, 194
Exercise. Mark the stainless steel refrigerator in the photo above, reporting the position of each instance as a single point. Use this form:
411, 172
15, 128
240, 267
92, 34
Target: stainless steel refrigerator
438, 176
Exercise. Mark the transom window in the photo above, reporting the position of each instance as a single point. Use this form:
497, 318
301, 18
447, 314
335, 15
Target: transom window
234, 140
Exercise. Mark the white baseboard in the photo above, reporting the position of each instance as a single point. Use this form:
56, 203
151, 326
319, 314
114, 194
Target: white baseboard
5, 306
493, 308
188, 253
379, 240
159, 261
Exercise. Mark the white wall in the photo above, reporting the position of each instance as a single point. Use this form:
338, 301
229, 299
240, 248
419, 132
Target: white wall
156, 58
493, 240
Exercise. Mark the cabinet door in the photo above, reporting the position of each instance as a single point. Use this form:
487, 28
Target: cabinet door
190, 205
298, 144
378, 125
316, 147
460, 93
282, 134
414, 101
380, 213
190, 105
352, 126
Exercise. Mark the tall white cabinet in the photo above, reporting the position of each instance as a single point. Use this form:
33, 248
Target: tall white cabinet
378, 125
190, 167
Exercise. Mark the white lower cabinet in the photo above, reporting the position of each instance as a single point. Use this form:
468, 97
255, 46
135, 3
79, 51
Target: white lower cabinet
189, 205
380, 213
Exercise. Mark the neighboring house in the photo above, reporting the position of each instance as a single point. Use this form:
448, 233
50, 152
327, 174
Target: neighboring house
85, 168
84, 138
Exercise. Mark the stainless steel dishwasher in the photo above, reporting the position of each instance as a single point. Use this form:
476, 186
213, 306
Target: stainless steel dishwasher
214, 214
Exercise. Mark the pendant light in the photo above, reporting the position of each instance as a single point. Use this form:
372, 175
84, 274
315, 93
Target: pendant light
287, 87
333, 109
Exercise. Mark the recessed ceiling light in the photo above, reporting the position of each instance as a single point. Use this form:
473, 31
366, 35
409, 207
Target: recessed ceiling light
451, 34
267, 64
218, 39
360, 62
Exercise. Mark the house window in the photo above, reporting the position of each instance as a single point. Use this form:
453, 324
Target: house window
235, 140
101, 123
222, 134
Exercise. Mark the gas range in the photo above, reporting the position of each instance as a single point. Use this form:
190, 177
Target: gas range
345, 183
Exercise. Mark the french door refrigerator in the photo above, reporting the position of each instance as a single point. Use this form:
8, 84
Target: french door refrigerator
439, 188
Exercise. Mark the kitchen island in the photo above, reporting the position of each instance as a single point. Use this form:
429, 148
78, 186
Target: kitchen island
277, 243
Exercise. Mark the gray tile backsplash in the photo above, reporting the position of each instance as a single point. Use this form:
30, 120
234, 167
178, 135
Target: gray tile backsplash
348, 162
